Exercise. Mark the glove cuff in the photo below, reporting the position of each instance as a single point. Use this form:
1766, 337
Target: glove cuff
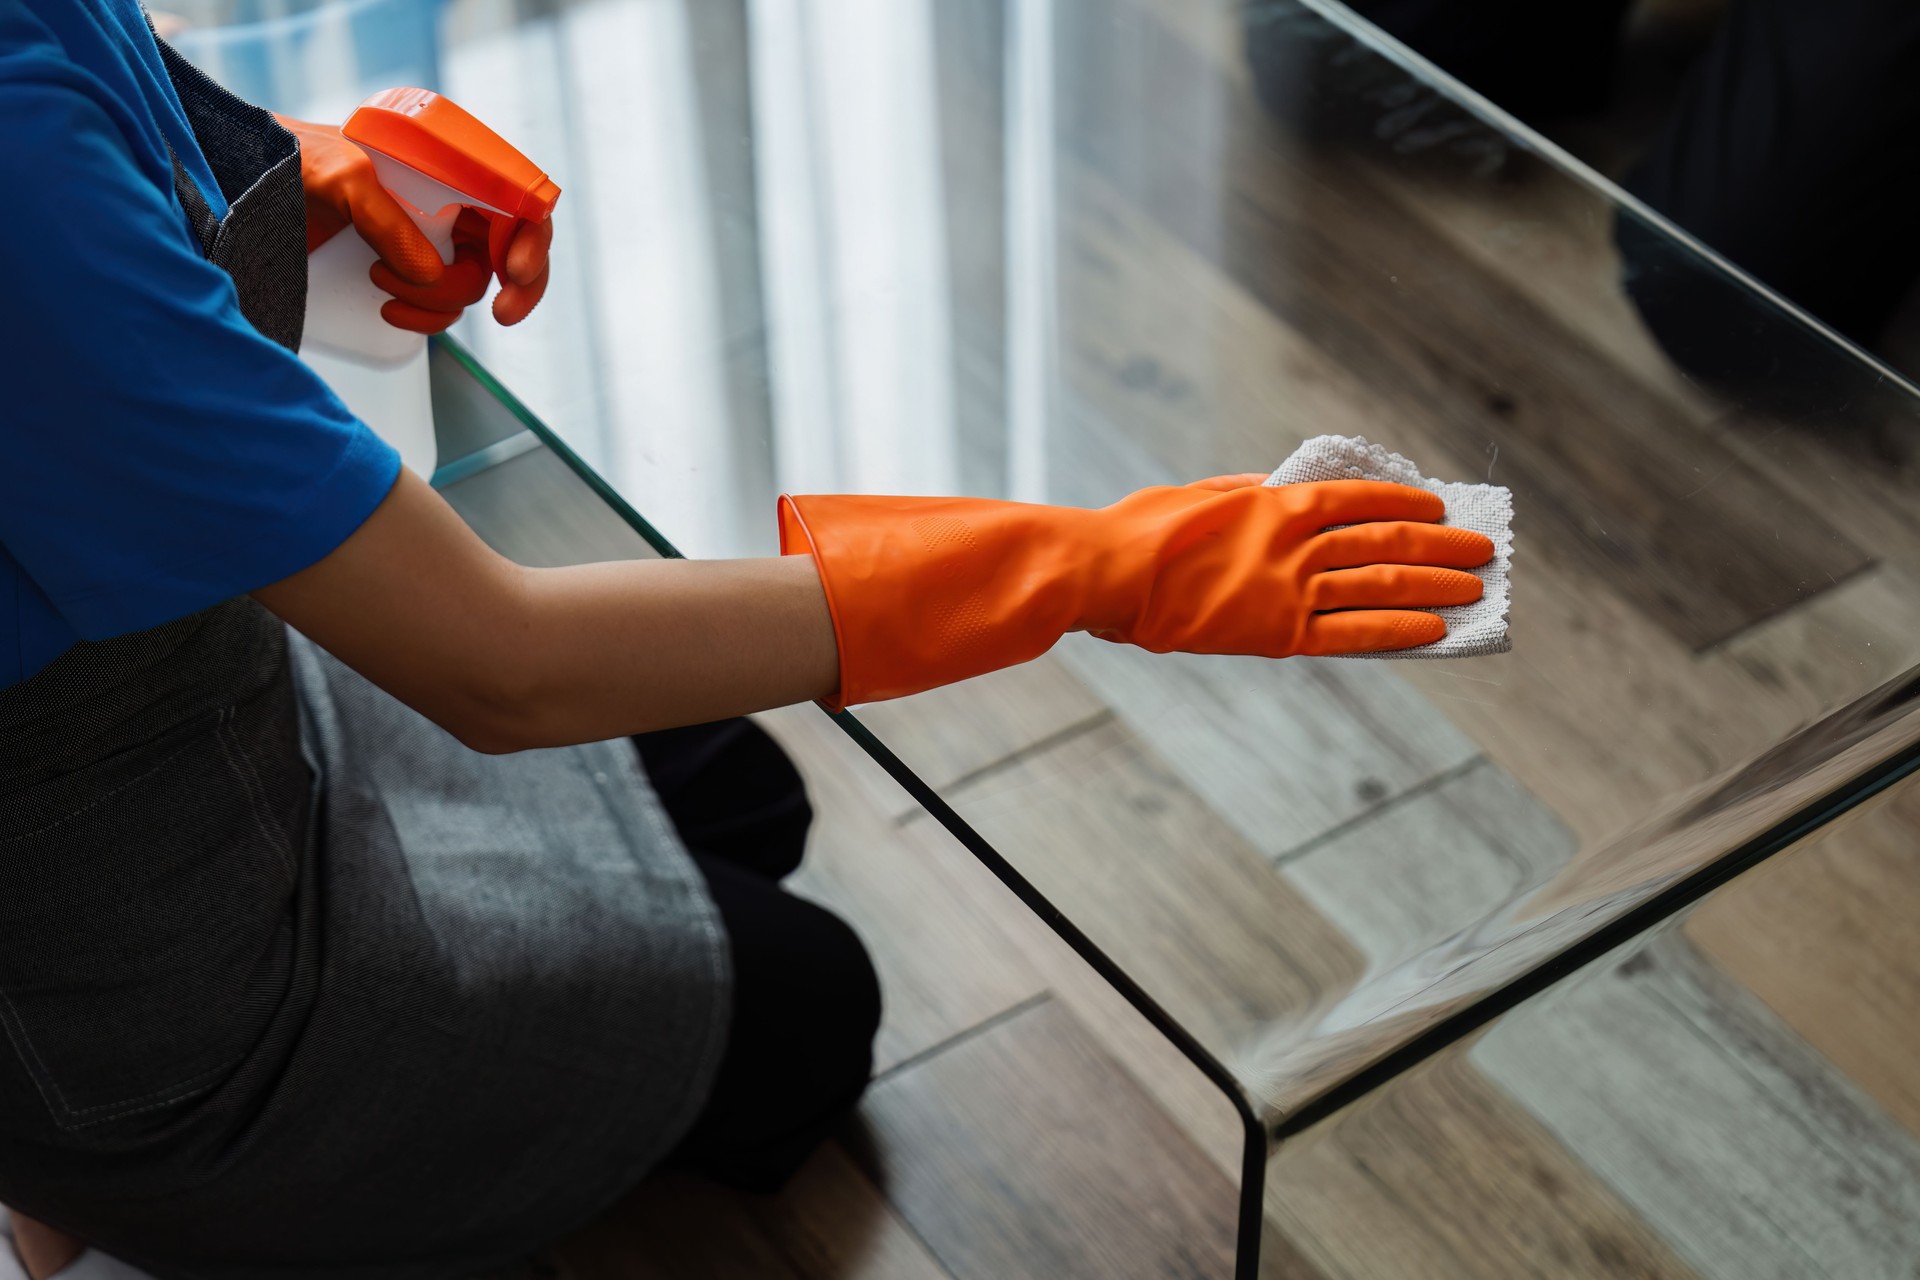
927, 591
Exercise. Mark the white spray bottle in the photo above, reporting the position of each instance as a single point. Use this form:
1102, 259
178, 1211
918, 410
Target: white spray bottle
436, 160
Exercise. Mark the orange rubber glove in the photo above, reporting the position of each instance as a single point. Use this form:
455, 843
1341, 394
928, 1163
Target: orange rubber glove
927, 591
342, 190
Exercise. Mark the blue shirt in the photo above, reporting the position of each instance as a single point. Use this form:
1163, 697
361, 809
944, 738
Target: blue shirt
157, 454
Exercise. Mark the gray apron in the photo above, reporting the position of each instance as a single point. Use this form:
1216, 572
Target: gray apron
293, 984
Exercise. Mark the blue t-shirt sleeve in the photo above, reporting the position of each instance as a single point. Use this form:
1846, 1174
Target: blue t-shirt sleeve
157, 454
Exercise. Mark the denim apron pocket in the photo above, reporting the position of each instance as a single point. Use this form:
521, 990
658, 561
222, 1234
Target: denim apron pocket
145, 893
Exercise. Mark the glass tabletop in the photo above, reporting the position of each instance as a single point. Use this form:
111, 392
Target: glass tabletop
1058, 249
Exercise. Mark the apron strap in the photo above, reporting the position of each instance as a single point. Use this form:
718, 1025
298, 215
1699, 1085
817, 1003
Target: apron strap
262, 242
200, 218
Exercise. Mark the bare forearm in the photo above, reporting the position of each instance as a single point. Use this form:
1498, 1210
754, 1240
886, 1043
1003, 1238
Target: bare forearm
625, 647
506, 657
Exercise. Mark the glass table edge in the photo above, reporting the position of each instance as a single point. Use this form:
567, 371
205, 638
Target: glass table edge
1271, 1125
492, 455
1806, 820
489, 456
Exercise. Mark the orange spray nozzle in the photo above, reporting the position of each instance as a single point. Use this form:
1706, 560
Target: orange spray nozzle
441, 142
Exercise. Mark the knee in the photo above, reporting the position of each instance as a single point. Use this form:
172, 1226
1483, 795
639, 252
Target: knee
864, 985
806, 992
846, 1017
733, 794
788, 820
806, 1007
851, 1001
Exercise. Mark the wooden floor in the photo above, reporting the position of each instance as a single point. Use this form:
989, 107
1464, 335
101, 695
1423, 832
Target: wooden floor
1735, 1095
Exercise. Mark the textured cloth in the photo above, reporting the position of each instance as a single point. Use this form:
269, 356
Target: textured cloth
164, 449
1472, 629
302, 966
257, 163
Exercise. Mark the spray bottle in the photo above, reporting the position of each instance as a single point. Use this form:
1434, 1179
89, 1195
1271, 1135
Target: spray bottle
436, 160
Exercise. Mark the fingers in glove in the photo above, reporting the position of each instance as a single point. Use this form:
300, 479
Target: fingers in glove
1331, 502
1369, 631
405, 315
431, 308
527, 255
463, 283
524, 273
516, 301
382, 223
1392, 586
339, 183
1399, 542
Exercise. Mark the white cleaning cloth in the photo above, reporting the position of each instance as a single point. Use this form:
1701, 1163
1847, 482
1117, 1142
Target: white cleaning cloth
1472, 629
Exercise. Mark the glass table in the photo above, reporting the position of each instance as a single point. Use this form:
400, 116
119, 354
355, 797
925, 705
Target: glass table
1058, 249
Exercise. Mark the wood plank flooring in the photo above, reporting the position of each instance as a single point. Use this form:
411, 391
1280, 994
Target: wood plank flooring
1286, 752
641, 1238
1443, 1175
830, 1221
1725, 1132
969, 1160
1826, 940
1145, 861
854, 827
1425, 867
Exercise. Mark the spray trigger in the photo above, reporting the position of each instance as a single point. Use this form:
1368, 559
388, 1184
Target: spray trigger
430, 142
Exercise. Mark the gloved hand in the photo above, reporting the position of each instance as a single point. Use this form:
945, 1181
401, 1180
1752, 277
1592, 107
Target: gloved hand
927, 591
429, 295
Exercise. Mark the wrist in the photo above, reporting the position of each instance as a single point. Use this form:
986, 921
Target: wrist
1110, 561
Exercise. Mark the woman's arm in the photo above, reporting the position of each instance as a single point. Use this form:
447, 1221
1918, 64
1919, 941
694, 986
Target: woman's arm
924, 592
506, 658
